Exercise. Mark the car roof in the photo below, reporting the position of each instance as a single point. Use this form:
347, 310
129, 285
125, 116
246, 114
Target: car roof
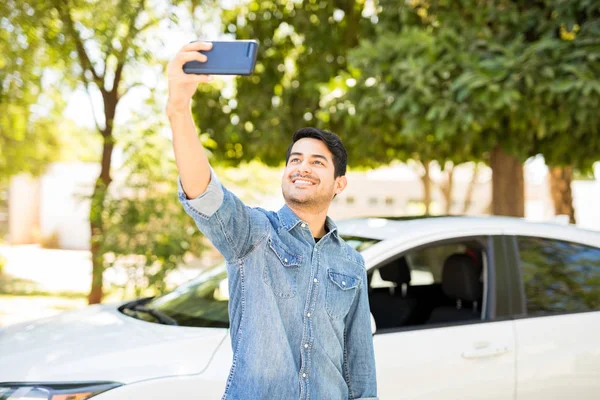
382, 228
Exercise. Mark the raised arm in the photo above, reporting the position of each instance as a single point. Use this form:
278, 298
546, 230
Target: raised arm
191, 158
232, 227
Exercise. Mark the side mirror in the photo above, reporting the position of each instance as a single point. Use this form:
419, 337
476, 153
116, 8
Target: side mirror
373, 325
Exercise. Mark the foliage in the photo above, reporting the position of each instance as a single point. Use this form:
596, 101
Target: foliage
102, 45
302, 46
147, 233
29, 109
452, 80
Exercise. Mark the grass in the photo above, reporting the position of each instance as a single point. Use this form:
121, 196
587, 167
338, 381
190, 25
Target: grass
9, 285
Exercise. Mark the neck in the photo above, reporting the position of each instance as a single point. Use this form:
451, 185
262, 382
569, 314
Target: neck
314, 219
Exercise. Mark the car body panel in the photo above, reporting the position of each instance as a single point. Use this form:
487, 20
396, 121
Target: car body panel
460, 362
100, 343
183, 387
559, 357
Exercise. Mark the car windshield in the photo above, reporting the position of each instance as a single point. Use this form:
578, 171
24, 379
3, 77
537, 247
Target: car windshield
203, 301
359, 243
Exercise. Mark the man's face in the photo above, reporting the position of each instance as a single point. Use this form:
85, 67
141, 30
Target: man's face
308, 180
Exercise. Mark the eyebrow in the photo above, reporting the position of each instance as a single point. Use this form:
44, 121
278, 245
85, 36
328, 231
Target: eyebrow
320, 156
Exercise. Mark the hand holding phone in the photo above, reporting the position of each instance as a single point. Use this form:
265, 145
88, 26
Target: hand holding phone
235, 57
182, 86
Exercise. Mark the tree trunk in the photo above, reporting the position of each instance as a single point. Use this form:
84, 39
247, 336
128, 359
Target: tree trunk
471, 189
426, 178
447, 186
560, 190
96, 222
508, 184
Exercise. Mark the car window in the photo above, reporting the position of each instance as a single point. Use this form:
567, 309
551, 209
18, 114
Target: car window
408, 289
426, 264
201, 302
559, 276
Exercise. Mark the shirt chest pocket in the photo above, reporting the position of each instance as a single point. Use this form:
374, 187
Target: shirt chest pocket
280, 271
340, 292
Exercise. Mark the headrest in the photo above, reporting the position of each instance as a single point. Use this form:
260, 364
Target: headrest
460, 278
397, 271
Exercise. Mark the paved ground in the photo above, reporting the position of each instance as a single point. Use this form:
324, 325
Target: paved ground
51, 270
55, 272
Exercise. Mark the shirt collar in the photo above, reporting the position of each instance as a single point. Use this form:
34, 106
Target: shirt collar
289, 220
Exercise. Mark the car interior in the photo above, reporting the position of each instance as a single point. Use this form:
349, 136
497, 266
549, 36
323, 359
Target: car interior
435, 284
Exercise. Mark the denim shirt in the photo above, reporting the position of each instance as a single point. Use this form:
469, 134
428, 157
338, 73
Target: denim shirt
299, 312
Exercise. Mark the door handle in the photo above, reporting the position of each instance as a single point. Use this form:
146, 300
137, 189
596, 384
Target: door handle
488, 351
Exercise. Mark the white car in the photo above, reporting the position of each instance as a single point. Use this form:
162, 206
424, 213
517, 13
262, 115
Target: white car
464, 308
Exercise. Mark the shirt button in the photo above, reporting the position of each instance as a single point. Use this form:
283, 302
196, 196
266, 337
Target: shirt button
343, 283
315, 280
303, 225
304, 375
306, 345
308, 315
285, 259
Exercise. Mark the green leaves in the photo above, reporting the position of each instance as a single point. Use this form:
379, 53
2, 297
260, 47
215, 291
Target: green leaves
303, 45
146, 232
28, 142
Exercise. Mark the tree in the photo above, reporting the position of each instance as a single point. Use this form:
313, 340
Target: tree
467, 72
147, 234
29, 140
102, 43
254, 118
303, 45
569, 95
386, 105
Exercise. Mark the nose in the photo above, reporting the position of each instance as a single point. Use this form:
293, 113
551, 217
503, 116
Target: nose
305, 167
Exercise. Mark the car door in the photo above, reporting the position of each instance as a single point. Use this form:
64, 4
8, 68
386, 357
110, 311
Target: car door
559, 344
452, 360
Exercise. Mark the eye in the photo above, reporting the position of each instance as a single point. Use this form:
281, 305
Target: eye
318, 162
294, 160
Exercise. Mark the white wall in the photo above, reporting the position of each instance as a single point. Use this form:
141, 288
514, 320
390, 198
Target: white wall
65, 204
586, 200
23, 209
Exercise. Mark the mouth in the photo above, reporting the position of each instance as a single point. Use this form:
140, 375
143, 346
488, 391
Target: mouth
302, 182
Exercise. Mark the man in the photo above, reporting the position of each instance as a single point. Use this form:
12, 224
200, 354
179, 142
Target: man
298, 308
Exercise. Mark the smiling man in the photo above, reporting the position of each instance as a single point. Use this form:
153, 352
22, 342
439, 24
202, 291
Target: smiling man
299, 310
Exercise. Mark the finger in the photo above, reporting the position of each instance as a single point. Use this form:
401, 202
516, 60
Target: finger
198, 78
204, 78
203, 46
191, 56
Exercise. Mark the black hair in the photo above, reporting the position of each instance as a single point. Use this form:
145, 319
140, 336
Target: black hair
333, 143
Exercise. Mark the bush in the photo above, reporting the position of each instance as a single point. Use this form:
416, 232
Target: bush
148, 237
147, 234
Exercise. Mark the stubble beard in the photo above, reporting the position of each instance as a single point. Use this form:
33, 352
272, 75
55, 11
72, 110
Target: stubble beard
312, 204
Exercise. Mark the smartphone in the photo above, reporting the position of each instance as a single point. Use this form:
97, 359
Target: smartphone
234, 57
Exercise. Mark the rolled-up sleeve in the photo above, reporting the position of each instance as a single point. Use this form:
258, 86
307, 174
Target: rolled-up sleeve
208, 202
224, 219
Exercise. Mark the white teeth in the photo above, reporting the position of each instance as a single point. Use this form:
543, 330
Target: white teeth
303, 181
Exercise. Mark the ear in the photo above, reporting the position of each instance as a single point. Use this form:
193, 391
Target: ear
340, 184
